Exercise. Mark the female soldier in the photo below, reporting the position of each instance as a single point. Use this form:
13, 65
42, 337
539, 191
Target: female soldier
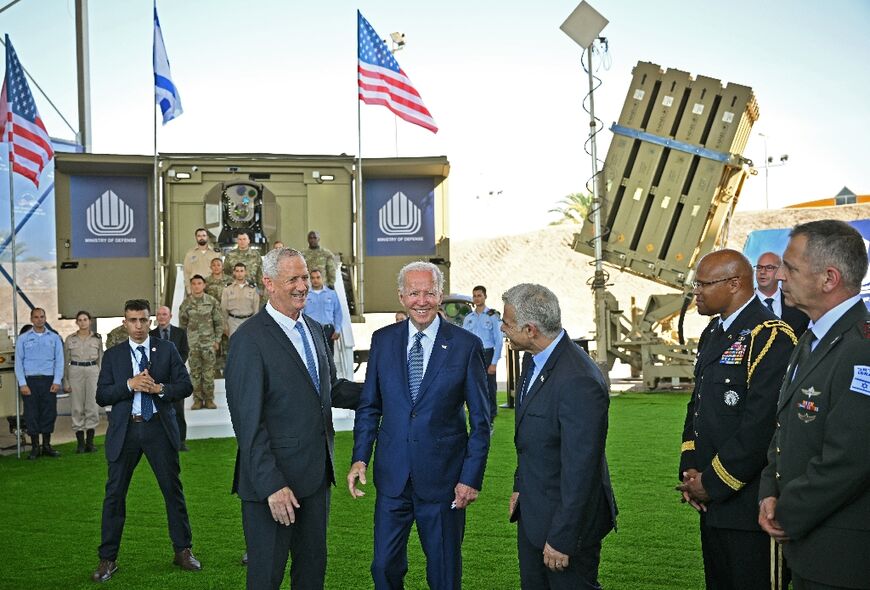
83, 351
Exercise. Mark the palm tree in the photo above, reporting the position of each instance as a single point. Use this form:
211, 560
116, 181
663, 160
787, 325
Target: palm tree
572, 209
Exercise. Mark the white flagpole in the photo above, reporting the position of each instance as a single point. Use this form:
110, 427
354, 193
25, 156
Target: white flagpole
156, 233
14, 293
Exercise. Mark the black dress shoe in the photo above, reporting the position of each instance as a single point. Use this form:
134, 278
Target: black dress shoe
186, 561
105, 570
183, 448
49, 451
90, 447
245, 558
34, 454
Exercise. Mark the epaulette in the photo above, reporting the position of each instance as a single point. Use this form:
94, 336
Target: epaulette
775, 327
866, 329
493, 312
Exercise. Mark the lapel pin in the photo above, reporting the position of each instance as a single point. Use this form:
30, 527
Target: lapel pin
542, 378
444, 346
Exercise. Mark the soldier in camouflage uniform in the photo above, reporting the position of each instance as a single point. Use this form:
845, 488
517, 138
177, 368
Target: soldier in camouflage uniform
318, 257
249, 257
200, 315
116, 336
214, 286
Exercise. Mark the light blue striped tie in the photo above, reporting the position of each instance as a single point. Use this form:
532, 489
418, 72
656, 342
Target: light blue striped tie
146, 402
415, 367
309, 357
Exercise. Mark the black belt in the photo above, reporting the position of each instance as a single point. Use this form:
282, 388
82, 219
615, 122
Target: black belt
83, 363
239, 317
39, 376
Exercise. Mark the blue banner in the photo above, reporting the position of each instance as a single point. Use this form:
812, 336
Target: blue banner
109, 216
400, 216
776, 240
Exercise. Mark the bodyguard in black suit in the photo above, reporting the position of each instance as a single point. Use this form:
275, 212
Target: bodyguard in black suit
815, 491
729, 421
562, 499
281, 387
178, 336
770, 294
141, 378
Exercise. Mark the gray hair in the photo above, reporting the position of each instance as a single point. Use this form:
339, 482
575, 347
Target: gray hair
437, 275
835, 243
535, 305
270, 260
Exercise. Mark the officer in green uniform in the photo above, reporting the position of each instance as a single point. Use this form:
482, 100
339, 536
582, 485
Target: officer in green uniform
116, 336
742, 356
215, 284
200, 315
815, 491
317, 256
248, 256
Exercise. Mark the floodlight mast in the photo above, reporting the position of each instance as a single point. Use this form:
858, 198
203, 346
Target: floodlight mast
599, 280
584, 25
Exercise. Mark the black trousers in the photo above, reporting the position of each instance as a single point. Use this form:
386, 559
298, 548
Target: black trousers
581, 573
148, 438
735, 559
269, 543
40, 407
800, 583
179, 417
490, 383
328, 331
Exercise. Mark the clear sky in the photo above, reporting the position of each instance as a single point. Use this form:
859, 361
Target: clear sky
501, 80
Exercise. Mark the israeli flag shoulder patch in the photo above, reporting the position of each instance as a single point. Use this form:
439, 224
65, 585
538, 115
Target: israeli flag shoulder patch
861, 379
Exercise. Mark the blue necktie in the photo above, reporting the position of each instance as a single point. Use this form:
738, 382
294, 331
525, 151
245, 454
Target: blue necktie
527, 379
309, 357
415, 367
147, 403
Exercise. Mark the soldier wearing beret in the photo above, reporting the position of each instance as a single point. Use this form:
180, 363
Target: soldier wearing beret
742, 356
815, 491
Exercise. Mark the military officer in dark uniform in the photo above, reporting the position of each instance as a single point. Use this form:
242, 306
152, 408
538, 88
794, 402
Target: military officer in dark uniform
741, 360
815, 491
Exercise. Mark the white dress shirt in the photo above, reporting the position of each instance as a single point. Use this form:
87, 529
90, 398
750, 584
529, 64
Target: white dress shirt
288, 325
427, 341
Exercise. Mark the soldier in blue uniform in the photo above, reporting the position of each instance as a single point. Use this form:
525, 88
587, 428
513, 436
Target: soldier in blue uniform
485, 323
742, 355
323, 306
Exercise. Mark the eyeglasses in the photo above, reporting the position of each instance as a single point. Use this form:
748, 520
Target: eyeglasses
767, 267
705, 284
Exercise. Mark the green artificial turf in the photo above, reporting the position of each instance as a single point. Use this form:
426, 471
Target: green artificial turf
50, 512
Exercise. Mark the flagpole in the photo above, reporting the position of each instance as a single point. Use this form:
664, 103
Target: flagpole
360, 239
14, 294
156, 233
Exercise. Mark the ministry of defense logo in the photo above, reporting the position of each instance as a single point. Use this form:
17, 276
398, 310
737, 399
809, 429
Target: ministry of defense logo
109, 215
399, 216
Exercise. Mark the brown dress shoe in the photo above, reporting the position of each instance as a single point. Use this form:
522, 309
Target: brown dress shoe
186, 561
197, 405
210, 405
105, 570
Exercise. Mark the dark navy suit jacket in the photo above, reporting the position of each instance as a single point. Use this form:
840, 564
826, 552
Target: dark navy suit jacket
165, 366
427, 441
565, 496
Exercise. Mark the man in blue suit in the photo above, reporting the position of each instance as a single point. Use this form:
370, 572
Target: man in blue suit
562, 500
421, 375
141, 378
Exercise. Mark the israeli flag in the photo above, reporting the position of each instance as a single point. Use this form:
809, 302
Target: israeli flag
165, 92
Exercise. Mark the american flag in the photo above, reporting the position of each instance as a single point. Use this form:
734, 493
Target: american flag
20, 125
382, 81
